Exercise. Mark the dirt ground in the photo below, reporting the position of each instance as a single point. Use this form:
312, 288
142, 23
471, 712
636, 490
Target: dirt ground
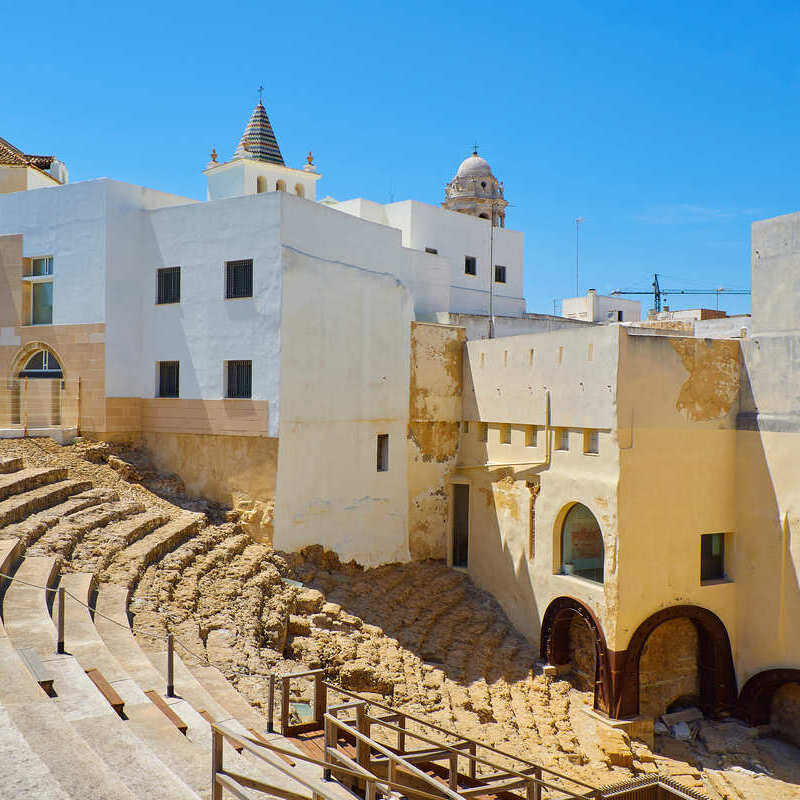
418, 635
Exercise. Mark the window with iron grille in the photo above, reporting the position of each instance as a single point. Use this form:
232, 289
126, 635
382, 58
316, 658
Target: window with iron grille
239, 278
168, 378
240, 378
470, 265
169, 285
499, 274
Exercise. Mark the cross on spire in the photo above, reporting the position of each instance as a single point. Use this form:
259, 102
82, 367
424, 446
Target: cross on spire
260, 94
475, 149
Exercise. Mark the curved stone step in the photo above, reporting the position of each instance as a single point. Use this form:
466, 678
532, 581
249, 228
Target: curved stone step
22, 505
26, 615
13, 464
24, 480
129, 565
35, 525
100, 546
62, 539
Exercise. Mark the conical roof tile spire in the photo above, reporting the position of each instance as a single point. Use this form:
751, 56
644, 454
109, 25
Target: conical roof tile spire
258, 140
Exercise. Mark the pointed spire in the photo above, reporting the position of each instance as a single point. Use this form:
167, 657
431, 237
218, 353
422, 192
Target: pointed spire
258, 140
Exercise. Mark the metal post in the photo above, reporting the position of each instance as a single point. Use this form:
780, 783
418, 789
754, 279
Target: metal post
170, 666
271, 711
216, 763
60, 648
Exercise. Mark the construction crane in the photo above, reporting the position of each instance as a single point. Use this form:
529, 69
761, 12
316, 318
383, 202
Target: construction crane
658, 292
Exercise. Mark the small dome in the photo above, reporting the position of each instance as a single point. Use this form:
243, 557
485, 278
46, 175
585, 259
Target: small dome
473, 166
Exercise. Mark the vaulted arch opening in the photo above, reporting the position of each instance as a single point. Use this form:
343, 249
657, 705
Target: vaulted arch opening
772, 697
582, 550
572, 635
694, 655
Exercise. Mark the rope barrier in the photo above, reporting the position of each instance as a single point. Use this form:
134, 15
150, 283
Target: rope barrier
154, 636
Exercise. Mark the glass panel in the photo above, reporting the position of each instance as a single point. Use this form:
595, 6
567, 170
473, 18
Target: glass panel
42, 313
36, 361
582, 544
712, 556
42, 266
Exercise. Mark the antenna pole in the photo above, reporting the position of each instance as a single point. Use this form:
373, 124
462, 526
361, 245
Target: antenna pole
577, 253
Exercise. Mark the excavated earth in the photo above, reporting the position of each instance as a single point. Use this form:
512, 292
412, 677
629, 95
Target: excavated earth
417, 636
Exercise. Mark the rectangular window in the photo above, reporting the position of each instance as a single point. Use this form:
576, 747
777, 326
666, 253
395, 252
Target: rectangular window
562, 439
499, 274
239, 278
470, 265
42, 266
465, 427
168, 286
591, 441
530, 436
614, 316
383, 452
240, 379
432, 250
42, 303
168, 378
483, 431
712, 557
505, 434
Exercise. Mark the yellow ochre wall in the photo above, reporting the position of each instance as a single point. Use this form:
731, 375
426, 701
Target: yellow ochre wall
678, 399
435, 401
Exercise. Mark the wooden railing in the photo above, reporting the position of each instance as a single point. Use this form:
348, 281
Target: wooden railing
386, 749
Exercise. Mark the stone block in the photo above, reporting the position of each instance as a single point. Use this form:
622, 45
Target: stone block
309, 601
686, 715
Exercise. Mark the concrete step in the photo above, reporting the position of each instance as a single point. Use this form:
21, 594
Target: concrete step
62, 539
111, 621
33, 526
31, 478
42, 731
133, 758
22, 505
13, 464
26, 615
129, 565
24, 773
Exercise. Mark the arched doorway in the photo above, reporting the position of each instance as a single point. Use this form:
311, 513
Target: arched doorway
772, 698
571, 634
715, 675
36, 387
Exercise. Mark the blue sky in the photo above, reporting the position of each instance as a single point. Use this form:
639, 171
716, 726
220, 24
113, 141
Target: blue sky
669, 128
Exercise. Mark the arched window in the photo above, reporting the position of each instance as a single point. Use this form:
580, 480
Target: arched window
280, 186
261, 184
299, 190
582, 544
483, 216
41, 364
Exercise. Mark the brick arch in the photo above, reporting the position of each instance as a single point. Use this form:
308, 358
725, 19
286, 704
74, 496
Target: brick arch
26, 351
554, 643
715, 661
756, 696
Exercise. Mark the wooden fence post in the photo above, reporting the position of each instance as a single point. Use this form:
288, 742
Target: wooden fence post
271, 696
285, 704
454, 771
401, 734
216, 763
473, 751
320, 699
330, 743
363, 726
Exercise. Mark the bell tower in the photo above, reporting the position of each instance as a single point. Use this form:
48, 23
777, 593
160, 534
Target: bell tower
475, 190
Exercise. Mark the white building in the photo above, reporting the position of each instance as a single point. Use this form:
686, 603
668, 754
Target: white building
600, 308
254, 329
